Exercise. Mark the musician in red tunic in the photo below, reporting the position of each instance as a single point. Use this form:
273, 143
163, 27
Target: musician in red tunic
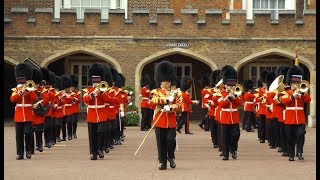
269, 116
75, 104
205, 93
57, 112
248, 117
68, 98
145, 101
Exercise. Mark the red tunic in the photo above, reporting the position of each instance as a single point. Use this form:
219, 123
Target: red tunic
23, 109
67, 107
269, 105
248, 101
58, 103
45, 100
294, 112
76, 101
204, 96
262, 108
278, 109
186, 101
229, 110
111, 114
145, 97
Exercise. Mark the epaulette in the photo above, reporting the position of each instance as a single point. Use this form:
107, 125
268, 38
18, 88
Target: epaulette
154, 92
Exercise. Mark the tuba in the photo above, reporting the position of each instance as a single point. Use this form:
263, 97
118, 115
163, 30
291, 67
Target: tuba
277, 85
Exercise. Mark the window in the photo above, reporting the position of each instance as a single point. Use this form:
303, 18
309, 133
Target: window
256, 69
269, 4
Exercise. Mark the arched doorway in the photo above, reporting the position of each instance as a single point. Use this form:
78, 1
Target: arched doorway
10, 82
185, 65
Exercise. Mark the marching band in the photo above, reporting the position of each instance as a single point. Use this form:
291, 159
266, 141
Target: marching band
50, 104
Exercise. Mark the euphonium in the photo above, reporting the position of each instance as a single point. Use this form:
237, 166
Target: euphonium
237, 90
277, 85
303, 86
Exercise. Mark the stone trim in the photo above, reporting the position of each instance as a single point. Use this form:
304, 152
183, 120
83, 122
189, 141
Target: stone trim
213, 11
128, 21
43, 10
249, 21
177, 21
152, 21
116, 11
7, 20
31, 20
274, 22
287, 12
140, 11
165, 11
104, 21
64, 10
299, 21
80, 21
189, 11
261, 11
201, 21
19, 10
237, 11
55, 20
309, 12
92, 11
225, 21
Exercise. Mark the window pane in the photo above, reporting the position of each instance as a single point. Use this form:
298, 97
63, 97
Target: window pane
85, 3
187, 71
84, 70
254, 71
268, 68
179, 71
105, 3
274, 69
118, 4
75, 69
95, 4
256, 4
262, 69
264, 4
273, 4
84, 81
281, 4
75, 3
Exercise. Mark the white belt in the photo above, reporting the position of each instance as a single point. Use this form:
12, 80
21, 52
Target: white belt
67, 104
145, 98
96, 106
111, 106
59, 107
268, 105
229, 110
248, 102
107, 104
24, 105
294, 108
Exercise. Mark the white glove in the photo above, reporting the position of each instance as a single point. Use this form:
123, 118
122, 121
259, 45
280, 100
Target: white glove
121, 114
171, 98
166, 108
196, 101
207, 105
130, 104
55, 106
130, 93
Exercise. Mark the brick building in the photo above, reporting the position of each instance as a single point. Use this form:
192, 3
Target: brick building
133, 35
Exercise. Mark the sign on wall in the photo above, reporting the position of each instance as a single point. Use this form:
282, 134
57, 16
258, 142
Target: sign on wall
177, 45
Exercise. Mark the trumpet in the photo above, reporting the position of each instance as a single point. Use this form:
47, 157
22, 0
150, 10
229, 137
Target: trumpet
29, 86
303, 87
236, 90
103, 86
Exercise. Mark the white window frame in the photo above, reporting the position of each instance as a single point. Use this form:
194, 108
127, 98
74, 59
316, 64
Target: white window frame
289, 5
258, 65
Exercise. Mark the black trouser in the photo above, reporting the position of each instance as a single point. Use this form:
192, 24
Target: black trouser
283, 139
184, 121
219, 136
262, 126
203, 117
249, 118
57, 130
69, 125
295, 135
258, 119
214, 130
267, 130
111, 123
48, 129
97, 132
38, 130
23, 135
117, 128
75, 118
256, 122
122, 125
166, 143
244, 121
230, 137
271, 132
276, 132
63, 126
145, 118
151, 112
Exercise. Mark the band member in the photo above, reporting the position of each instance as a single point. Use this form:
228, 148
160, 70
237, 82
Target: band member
278, 109
75, 104
257, 107
294, 117
220, 88
269, 116
204, 92
39, 115
48, 80
229, 113
23, 96
145, 101
185, 104
165, 117
248, 118
152, 106
261, 101
57, 112
126, 96
68, 98
95, 98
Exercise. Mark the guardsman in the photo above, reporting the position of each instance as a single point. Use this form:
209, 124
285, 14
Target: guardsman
68, 98
145, 101
152, 107
48, 80
43, 101
95, 98
294, 116
57, 112
126, 96
204, 94
75, 104
248, 118
186, 101
23, 95
262, 109
164, 115
220, 88
269, 116
229, 119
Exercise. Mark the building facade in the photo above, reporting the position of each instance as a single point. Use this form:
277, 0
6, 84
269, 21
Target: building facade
132, 36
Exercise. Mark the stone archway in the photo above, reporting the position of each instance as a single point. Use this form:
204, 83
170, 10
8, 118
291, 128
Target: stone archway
10, 61
92, 52
291, 55
160, 54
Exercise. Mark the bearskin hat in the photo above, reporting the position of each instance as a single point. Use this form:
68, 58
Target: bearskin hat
248, 84
213, 77
45, 74
115, 74
118, 82
123, 80
176, 83
108, 75
66, 81
165, 71
227, 73
57, 83
205, 81
295, 70
37, 76
263, 76
52, 78
96, 69
23, 72
270, 77
145, 80
282, 70
259, 83
74, 79
186, 82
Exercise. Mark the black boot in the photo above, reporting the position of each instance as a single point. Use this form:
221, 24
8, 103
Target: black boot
300, 156
93, 157
291, 158
172, 163
107, 150
225, 158
221, 154
101, 155
178, 130
234, 155
284, 154
28, 155
162, 166
58, 139
19, 157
